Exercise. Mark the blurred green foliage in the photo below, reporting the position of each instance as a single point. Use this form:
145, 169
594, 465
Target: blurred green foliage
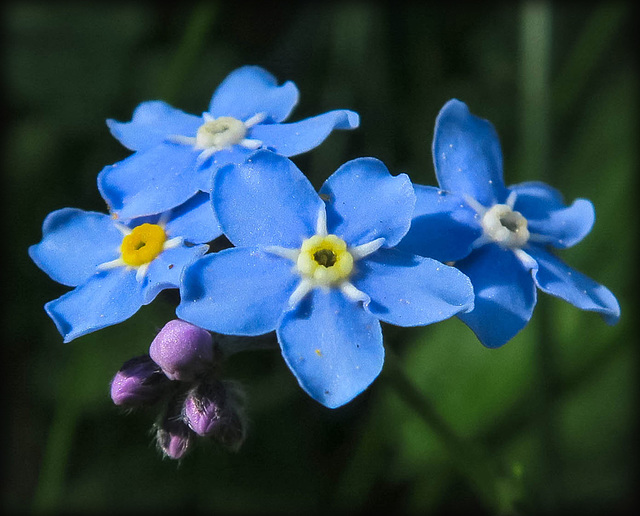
555, 407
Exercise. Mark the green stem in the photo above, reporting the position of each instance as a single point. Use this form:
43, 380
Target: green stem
51, 480
534, 79
471, 462
536, 21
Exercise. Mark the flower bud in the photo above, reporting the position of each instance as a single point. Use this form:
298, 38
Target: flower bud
182, 350
204, 407
138, 382
212, 409
173, 437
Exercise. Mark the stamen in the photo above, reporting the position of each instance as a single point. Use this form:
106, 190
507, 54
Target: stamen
510, 221
207, 117
325, 257
511, 199
363, 250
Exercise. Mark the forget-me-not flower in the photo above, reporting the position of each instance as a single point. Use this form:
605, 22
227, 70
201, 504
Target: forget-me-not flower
321, 270
117, 267
176, 153
499, 236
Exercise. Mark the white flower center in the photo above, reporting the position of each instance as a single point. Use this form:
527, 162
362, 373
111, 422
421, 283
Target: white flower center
221, 133
505, 226
217, 134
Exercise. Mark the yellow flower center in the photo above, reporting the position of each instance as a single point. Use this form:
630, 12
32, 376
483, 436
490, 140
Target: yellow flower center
220, 133
143, 244
325, 259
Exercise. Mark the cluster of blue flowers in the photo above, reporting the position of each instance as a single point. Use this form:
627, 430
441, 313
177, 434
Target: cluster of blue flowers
321, 269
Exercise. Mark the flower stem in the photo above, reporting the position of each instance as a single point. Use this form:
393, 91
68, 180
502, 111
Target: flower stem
536, 40
50, 490
471, 461
51, 481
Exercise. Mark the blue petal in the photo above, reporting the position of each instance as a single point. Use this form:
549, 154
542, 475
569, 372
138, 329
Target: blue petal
236, 155
505, 294
365, 202
238, 291
467, 155
332, 345
409, 290
105, 299
74, 243
195, 220
548, 217
444, 227
151, 124
265, 201
299, 137
153, 181
556, 278
165, 271
250, 90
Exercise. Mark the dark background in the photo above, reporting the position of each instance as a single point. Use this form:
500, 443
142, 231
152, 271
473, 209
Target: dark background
556, 406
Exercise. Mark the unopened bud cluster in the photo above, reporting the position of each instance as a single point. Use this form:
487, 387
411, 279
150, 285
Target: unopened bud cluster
181, 372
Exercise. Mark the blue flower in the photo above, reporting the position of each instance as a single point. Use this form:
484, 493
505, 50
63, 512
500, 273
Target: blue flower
499, 236
321, 270
116, 267
176, 153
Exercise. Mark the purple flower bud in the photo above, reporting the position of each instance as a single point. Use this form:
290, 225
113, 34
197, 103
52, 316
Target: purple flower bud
204, 407
182, 350
138, 382
174, 438
212, 409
